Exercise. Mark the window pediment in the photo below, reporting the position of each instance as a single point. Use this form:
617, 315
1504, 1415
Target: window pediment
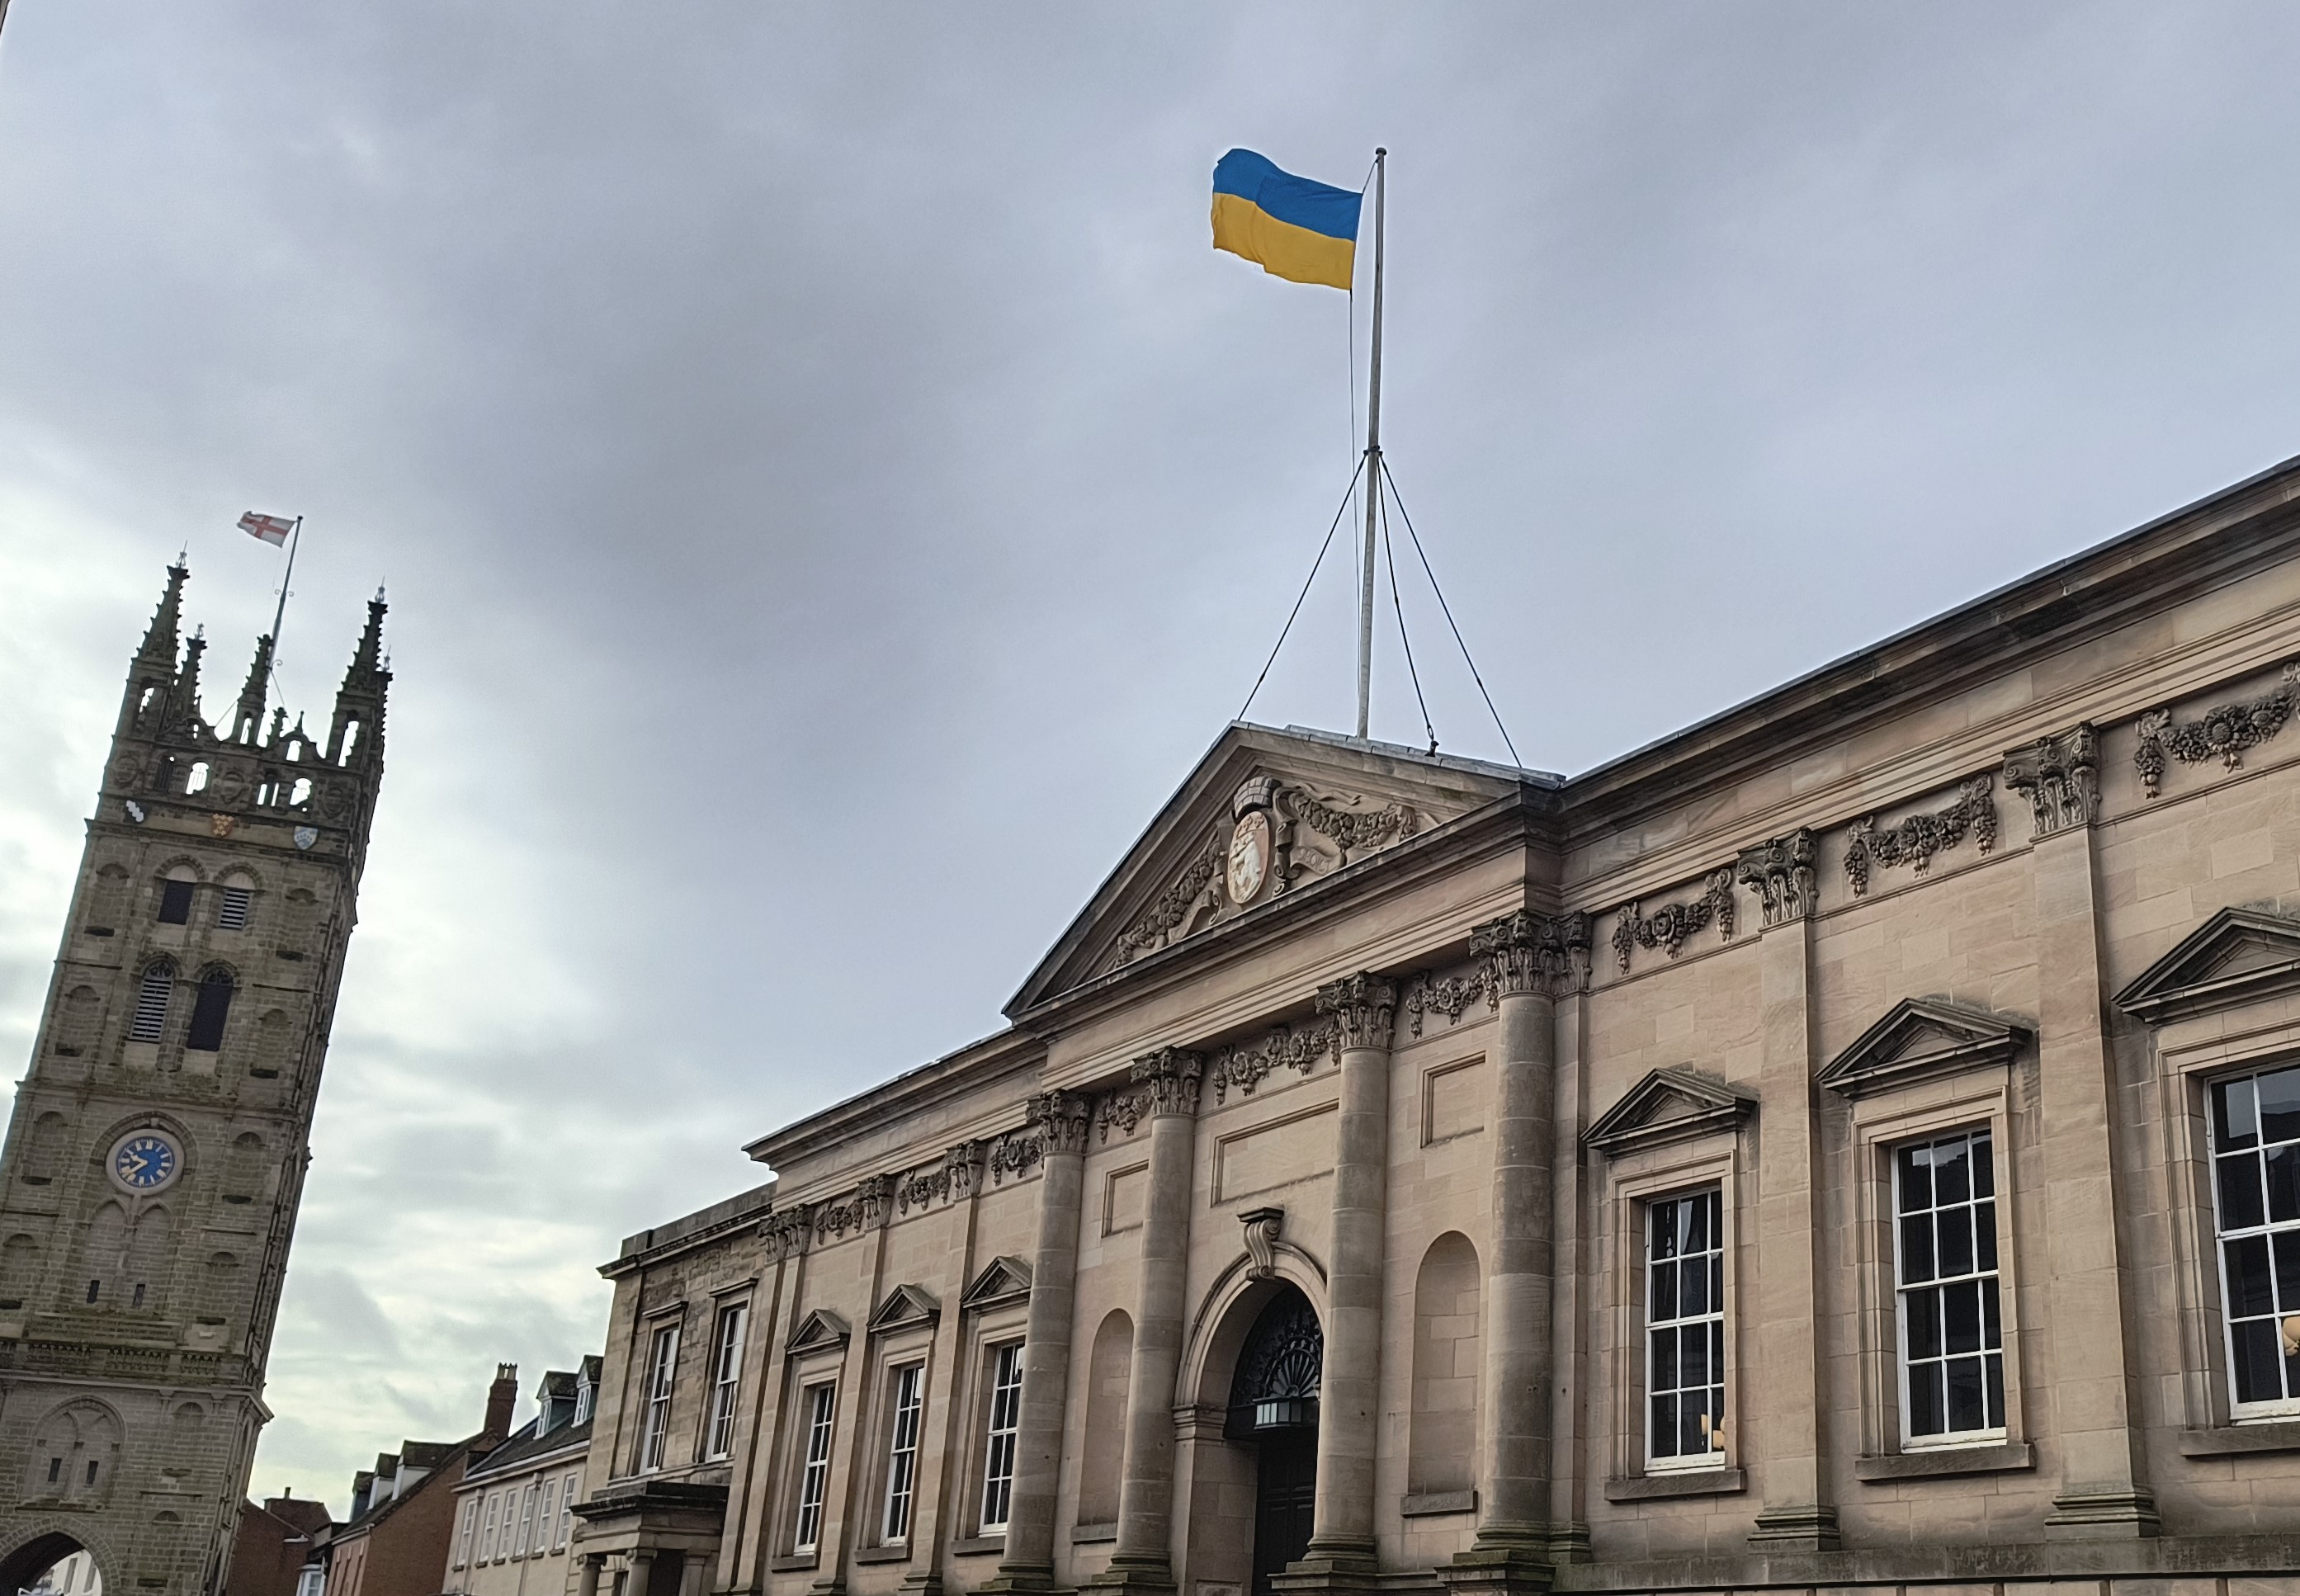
1675, 1103
904, 1307
819, 1329
2238, 956
1003, 1281
1920, 1038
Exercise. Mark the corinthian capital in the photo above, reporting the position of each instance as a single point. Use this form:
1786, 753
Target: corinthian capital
1058, 1119
1526, 953
1171, 1078
1362, 1008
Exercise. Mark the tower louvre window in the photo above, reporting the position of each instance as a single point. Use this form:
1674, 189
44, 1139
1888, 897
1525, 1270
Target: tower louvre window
175, 903
209, 1013
159, 984
231, 915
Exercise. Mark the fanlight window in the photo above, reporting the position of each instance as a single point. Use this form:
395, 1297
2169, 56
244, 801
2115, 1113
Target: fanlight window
1279, 1368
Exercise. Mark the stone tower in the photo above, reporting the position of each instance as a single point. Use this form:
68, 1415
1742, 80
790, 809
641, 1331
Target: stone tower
154, 1165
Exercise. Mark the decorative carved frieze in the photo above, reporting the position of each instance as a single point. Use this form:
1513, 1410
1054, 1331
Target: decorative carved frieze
871, 1206
1525, 951
1669, 925
1913, 842
1246, 1065
962, 1163
1165, 1082
1780, 873
1362, 1008
2060, 775
953, 1180
1263, 1225
1016, 1154
1449, 995
788, 1233
1282, 834
2222, 732
1152, 928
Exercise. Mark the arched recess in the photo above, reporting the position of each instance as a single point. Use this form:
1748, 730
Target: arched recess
103, 1255
272, 1035
219, 1288
19, 1273
1108, 1372
74, 1454
107, 901
1442, 1448
43, 1153
21, 1568
150, 1258
243, 1168
1228, 1311
76, 1017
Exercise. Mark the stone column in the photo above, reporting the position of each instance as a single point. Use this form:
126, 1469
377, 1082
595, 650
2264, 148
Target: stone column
2104, 1490
1058, 1120
1362, 1008
642, 1572
1528, 961
587, 1579
1785, 1405
1165, 1086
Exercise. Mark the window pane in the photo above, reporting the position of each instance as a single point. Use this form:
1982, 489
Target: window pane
1952, 1174
175, 903
1692, 1235
1661, 1300
2283, 1183
1693, 1358
2255, 1361
1995, 1372
1992, 1332
1693, 1287
1917, 1248
2287, 1271
1924, 1323
1928, 1410
2250, 1292
2240, 1180
1961, 1312
2280, 1105
2236, 1122
1956, 1225
1984, 1235
1984, 1165
1964, 1402
1664, 1426
1663, 1367
1916, 1179
1693, 1424
1661, 1222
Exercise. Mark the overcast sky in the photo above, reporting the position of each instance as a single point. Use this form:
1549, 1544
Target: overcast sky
830, 492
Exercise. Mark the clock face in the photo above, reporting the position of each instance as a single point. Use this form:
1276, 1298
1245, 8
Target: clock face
1249, 857
145, 1160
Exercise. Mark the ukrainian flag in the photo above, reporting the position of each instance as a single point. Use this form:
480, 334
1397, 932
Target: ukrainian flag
1303, 231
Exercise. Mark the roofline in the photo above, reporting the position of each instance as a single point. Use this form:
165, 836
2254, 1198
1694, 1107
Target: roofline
1946, 620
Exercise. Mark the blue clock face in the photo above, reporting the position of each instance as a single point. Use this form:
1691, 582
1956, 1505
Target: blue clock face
144, 1162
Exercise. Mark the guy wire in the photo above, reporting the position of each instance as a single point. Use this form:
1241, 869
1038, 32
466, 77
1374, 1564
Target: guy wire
1397, 603
1406, 516
1349, 496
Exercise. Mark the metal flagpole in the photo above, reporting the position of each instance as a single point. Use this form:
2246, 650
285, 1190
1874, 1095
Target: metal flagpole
280, 612
1373, 457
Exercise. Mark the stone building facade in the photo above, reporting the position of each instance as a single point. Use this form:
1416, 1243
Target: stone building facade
1850, 1145
155, 1158
515, 1507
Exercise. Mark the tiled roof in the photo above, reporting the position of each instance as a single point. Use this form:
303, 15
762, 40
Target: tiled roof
526, 1447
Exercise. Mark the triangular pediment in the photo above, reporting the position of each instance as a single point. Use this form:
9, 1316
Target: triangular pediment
1003, 1281
903, 1306
1920, 1038
819, 1329
1296, 806
2237, 956
1672, 1104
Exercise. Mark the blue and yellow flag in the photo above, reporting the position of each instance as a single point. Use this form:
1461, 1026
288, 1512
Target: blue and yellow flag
1303, 231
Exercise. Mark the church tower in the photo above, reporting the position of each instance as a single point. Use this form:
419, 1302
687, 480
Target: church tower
152, 1168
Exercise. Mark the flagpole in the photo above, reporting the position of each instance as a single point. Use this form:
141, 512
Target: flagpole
1373, 457
280, 612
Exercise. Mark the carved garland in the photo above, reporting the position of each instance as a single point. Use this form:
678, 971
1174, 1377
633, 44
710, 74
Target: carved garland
1449, 995
1915, 840
1173, 905
1347, 831
1669, 925
2223, 732
1248, 1066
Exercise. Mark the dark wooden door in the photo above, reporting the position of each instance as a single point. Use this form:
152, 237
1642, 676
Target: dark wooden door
1285, 1500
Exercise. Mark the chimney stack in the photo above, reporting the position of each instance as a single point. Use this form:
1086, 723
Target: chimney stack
503, 1400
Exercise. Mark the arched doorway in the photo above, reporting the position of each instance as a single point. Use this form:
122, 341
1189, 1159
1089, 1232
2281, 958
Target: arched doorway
72, 1565
1273, 1408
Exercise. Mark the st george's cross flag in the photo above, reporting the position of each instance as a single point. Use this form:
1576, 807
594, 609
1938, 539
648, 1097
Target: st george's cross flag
272, 529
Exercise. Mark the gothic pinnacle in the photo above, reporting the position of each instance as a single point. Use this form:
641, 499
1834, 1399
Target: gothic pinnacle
160, 642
